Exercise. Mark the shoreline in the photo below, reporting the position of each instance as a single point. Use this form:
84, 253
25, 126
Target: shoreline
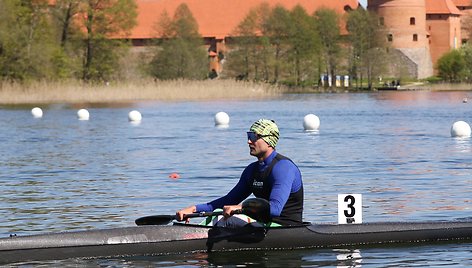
115, 93
73, 92
437, 87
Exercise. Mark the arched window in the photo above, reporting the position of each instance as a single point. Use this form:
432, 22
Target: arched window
412, 21
415, 37
390, 37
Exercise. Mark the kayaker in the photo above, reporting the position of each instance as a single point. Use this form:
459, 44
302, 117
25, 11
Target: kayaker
273, 177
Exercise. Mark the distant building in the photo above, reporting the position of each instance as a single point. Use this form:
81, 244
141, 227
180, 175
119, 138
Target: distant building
217, 19
422, 30
465, 6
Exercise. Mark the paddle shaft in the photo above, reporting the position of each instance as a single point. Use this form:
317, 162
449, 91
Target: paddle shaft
256, 208
166, 219
208, 214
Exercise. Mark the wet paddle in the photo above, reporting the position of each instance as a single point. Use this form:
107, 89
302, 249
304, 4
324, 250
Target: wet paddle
256, 208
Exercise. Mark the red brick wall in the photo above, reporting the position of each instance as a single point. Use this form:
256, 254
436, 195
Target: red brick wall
397, 16
445, 34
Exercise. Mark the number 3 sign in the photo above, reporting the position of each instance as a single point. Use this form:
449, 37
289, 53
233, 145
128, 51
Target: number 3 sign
349, 208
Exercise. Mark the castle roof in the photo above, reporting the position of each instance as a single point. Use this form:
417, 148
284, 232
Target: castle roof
219, 18
462, 3
442, 7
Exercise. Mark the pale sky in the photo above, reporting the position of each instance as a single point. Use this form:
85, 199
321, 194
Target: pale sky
363, 2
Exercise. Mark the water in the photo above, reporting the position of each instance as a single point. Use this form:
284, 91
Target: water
58, 173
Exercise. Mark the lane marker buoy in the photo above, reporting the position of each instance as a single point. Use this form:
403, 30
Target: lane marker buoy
460, 129
83, 114
222, 119
311, 122
135, 116
37, 112
174, 176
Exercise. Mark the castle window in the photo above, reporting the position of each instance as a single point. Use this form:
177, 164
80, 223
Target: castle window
415, 37
390, 37
382, 21
347, 8
412, 21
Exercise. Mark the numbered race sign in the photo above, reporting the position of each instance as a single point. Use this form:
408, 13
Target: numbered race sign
349, 208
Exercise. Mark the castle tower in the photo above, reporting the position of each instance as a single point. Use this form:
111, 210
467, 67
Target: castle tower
405, 21
443, 22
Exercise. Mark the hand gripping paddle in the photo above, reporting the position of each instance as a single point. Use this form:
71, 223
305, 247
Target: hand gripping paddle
256, 208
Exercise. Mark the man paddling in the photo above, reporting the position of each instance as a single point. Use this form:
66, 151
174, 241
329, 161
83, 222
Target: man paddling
273, 177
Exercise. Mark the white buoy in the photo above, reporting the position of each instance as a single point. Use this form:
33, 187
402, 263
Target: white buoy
37, 112
83, 114
311, 122
465, 100
135, 116
460, 129
222, 119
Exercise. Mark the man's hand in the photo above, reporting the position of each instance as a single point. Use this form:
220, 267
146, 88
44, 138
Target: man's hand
228, 210
181, 213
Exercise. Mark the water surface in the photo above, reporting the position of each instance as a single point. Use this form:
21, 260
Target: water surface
59, 173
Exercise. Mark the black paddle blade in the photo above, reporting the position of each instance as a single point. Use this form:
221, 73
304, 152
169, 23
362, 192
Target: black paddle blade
155, 220
257, 208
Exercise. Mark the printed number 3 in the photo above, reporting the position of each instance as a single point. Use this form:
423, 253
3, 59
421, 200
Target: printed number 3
352, 210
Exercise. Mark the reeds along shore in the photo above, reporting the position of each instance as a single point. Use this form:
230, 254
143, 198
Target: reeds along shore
78, 92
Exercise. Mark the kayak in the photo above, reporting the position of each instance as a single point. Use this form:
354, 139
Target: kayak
183, 238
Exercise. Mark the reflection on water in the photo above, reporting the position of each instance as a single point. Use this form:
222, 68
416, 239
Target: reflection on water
463, 144
348, 258
437, 255
424, 97
58, 173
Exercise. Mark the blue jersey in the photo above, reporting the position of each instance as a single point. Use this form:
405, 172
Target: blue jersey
284, 179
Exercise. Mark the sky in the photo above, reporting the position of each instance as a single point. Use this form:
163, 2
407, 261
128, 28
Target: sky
363, 2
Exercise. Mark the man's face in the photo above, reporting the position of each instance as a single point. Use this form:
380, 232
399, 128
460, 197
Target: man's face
257, 146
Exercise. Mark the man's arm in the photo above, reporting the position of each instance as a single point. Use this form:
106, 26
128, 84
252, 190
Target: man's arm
239, 192
285, 181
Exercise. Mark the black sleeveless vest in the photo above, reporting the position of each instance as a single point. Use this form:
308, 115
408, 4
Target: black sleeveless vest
292, 211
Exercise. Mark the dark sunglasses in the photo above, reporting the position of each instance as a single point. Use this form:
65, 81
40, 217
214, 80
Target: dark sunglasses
253, 136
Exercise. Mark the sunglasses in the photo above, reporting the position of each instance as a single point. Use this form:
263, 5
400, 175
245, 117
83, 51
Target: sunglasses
253, 136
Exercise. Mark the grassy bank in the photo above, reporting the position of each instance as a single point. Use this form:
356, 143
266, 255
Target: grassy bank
77, 92
438, 86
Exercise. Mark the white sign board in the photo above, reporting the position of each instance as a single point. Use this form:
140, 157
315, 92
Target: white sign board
349, 208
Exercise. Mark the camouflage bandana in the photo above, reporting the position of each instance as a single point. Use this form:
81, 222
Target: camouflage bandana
268, 129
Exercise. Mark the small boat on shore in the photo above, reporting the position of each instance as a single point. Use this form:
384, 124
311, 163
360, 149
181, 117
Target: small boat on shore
148, 240
388, 88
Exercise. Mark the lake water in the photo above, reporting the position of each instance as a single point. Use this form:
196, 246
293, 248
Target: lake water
59, 173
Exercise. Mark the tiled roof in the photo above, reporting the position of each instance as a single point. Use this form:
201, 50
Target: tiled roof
441, 7
462, 3
219, 18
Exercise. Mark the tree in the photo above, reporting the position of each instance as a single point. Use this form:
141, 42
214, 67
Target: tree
104, 21
26, 40
329, 33
63, 13
277, 28
367, 41
250, 56
181, 54
451, 66
304, 42
163, 27
69, 35
466, 52
242, 56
